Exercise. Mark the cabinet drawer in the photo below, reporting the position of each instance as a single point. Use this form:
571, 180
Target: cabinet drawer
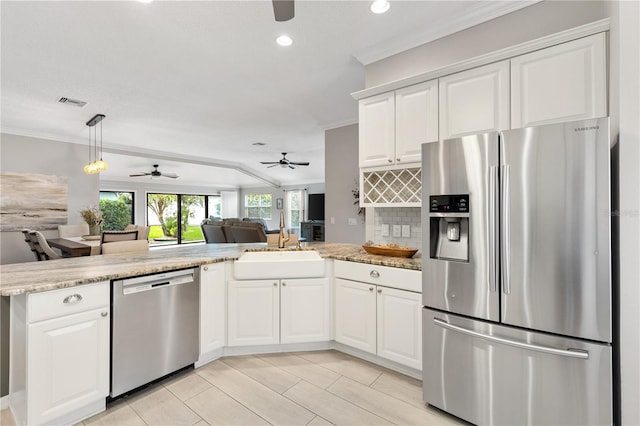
404, 279
57, 303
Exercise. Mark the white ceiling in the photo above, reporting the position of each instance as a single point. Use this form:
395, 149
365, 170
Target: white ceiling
192, 85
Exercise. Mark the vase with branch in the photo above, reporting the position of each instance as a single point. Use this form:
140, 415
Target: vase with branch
93, 217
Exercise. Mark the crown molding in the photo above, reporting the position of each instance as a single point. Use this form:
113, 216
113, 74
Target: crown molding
483, 11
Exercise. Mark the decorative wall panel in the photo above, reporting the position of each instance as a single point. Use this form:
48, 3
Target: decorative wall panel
34, 201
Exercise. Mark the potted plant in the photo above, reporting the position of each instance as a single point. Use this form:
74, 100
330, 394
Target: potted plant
93, 217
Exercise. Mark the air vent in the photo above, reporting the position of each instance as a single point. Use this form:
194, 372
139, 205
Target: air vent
69, 101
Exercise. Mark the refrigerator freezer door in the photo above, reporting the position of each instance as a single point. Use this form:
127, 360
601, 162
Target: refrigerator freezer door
467, 285
490, 374
556, 260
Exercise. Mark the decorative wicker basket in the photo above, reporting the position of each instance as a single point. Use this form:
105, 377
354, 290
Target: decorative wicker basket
390, 251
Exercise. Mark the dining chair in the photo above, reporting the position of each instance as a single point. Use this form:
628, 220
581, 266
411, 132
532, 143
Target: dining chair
113, 236
143, 231
78, 230
42, 247
131, 246
32, 246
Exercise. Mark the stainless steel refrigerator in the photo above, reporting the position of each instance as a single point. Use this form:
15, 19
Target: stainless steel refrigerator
516, 270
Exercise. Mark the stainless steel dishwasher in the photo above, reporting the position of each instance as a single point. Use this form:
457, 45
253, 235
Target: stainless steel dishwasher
154, 327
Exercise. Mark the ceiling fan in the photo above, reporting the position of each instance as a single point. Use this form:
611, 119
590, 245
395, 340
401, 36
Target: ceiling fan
155, 173
283, 10
284, 162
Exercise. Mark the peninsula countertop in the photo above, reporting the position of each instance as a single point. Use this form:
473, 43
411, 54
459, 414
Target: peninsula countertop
32, 277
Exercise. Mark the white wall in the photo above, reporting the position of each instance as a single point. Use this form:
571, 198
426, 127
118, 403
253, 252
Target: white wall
341, 175
33, 155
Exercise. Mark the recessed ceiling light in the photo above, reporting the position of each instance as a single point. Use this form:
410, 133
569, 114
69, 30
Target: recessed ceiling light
284, 40
380, 6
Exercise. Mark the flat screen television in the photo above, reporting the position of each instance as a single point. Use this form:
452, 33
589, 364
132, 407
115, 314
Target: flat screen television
316, 207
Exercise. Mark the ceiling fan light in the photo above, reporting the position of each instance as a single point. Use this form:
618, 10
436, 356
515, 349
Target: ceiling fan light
379, 6
284, 40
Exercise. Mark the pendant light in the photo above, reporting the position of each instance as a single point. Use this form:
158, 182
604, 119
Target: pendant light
95, 166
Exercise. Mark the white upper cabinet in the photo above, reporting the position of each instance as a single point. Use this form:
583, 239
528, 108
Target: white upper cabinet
475, 101
377, 130
561, 83
394, 125
416, 120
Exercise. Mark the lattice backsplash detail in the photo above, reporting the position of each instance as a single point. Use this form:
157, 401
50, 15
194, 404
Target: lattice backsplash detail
392, 186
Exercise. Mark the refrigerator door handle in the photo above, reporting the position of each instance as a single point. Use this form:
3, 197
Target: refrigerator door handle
492, 229
506, 237
573, 353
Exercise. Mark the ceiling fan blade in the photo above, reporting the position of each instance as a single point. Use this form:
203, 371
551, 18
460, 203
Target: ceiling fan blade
269, 162
170, 175
305, 163
283, 10
139, 174
291, 167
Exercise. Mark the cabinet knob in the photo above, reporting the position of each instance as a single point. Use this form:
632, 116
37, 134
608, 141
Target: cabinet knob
275, 284
206, 268
284, 284
374, 274
398, 160
370, 288
390, 160
379, 290
104, 314
74, 298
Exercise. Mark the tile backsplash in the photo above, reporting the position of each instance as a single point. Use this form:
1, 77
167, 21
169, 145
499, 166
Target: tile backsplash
398, 216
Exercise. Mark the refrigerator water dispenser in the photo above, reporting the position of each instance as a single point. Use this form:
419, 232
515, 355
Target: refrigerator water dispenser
449, 223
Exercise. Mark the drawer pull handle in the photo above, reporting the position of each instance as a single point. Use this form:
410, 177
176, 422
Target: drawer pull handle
374, 274
104, 314
74, 298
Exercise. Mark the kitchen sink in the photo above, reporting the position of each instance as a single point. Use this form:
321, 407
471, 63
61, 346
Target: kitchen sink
277, 264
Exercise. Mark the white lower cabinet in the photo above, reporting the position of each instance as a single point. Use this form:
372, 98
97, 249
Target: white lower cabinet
356, 314
399, 320
61, 357
213, 308
372, 316
264, 312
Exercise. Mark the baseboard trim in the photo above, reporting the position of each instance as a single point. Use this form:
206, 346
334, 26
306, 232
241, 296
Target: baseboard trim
375, 359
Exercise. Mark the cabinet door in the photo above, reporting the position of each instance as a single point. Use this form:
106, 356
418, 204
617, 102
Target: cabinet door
355, 314
254, 312
562, 83
416, 120
399, 315
377, 130
68, 364
212, 307
304, 310
475, 101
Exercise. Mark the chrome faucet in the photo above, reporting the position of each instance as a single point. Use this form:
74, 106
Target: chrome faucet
281, 239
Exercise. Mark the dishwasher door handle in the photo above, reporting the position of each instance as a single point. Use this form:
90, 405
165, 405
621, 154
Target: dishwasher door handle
161, 284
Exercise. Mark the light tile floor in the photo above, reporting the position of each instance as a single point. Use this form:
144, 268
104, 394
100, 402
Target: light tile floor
303, 388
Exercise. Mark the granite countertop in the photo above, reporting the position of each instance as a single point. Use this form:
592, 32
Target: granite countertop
31, 277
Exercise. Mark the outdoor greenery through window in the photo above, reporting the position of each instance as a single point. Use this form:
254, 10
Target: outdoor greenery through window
169, 224
117, 209
295, 209
257, 205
